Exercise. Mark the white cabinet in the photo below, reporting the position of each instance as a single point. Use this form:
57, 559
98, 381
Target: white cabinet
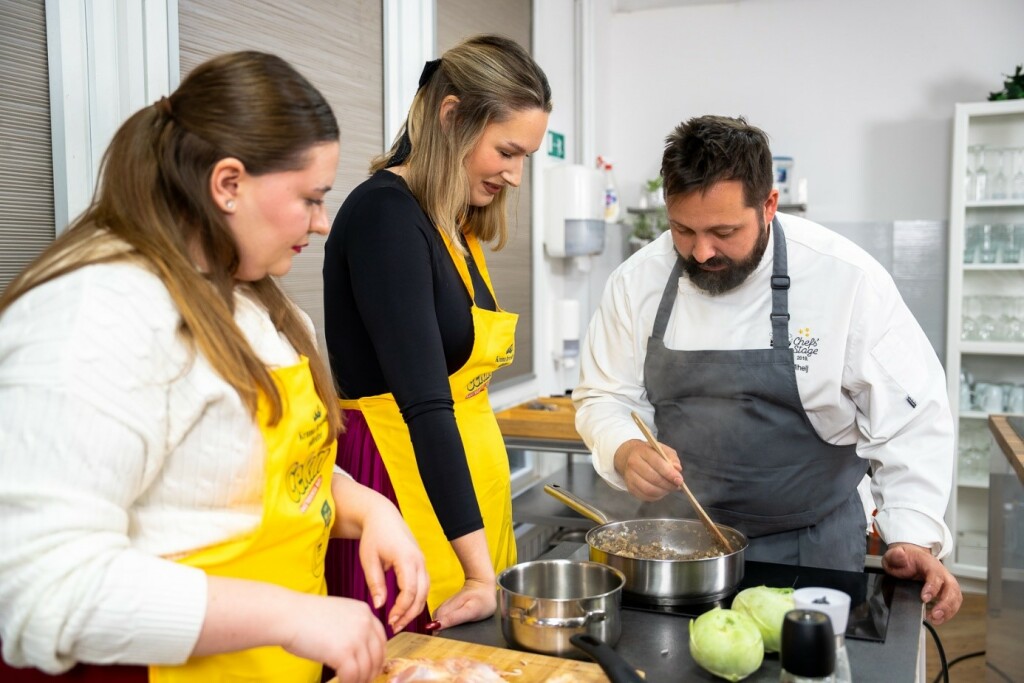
985, 343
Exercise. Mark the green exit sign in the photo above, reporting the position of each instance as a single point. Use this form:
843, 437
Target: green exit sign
556, 145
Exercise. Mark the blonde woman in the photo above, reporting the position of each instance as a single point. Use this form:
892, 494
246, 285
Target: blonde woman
413, 327
167, 428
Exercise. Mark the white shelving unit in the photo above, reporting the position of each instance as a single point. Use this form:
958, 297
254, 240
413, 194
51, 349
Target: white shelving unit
998, 124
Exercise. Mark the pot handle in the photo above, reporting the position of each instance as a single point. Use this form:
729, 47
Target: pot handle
576, 503
525, 617
612, 663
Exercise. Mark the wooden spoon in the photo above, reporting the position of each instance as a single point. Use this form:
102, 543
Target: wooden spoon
711, 527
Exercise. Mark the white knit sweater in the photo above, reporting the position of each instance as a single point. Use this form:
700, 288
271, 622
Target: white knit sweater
118, 449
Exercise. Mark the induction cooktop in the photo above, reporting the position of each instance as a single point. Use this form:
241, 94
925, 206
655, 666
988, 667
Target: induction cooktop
870, 595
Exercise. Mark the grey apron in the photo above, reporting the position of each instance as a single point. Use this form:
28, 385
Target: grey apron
750, 455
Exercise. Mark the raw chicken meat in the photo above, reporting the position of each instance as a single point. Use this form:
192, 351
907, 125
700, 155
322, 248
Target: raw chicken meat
454, 669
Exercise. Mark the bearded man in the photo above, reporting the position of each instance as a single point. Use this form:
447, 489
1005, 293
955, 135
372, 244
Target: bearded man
778, 365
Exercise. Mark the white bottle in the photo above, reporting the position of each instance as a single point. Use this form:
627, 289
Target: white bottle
611, 195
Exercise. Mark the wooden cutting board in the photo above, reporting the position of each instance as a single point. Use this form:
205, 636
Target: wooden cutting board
535, 668
542, 418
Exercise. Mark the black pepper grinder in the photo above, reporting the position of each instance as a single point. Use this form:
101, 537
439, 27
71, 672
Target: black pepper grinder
808, 651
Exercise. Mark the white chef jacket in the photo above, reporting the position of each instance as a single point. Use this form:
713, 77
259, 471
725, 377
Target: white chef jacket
865, 370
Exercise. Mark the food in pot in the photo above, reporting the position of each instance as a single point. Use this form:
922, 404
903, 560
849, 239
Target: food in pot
628, 543
727, 643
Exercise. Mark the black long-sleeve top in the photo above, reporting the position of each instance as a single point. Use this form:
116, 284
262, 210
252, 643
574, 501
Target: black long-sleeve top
398, 320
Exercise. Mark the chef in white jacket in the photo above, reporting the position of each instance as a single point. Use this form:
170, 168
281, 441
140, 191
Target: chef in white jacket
778, 365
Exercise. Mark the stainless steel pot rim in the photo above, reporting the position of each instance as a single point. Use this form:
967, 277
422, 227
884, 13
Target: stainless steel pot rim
738, 539
597, 566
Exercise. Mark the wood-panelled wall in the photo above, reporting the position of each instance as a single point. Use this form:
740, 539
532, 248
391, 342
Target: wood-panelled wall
338, 46
512, 267
26, 163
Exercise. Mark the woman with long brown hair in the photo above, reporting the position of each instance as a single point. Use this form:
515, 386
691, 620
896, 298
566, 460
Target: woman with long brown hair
413, 327
168, 429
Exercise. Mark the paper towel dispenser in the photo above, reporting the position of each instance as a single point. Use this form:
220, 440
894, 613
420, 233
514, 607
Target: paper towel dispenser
574, 211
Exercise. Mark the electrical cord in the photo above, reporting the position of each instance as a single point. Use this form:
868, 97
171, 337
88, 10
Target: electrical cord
995, 669
944, 672
946, 666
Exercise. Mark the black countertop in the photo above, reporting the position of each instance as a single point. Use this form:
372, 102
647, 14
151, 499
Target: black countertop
659, 643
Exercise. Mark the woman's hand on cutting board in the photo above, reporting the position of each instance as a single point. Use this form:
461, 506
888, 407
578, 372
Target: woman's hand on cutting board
478, 598
648, 477
941, 590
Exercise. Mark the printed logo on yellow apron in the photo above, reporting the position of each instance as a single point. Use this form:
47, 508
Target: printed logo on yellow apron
507, 357
298, 514
493, 347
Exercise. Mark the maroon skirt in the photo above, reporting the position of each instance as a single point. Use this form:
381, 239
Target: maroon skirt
83, 673
358, 455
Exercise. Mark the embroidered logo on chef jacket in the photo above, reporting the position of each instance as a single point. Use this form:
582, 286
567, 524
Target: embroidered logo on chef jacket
805, 347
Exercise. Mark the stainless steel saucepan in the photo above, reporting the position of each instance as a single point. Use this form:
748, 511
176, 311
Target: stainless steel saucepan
665, 561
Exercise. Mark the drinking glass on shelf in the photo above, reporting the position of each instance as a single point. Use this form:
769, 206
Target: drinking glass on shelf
1013, 322
988, 250
969, 318
1015, 236
1018, 314
972, 237
1012, 244
1015, 403
989, 325
966, 391
969, 176
1000, 181
980, 175
1017, 185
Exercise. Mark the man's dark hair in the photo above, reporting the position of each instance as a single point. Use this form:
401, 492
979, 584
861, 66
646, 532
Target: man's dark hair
709, 149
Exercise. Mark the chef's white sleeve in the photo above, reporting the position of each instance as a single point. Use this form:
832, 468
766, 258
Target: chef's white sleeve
898, 385
611, 379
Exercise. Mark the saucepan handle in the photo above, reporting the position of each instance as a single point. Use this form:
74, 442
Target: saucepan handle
612, 663
525, 617
576, 503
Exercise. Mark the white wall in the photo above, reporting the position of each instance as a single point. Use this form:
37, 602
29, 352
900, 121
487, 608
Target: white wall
860, 93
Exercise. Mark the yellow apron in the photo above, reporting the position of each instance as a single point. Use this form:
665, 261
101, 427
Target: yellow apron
493, 347
288, 547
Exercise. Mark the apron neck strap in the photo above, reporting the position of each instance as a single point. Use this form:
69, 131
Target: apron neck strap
668, 299
780, 288
780, 292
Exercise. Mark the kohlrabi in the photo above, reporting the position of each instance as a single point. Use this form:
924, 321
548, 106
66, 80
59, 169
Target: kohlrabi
727, 643
767, 607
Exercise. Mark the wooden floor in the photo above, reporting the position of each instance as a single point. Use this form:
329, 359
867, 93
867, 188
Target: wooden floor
963, 635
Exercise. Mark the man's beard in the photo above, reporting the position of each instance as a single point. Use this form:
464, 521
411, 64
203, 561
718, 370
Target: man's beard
721, 281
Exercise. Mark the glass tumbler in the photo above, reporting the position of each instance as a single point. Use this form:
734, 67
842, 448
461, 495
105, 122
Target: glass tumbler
988, 249
1012, 244
1000, 181
980, 175
1017, 184
969, 318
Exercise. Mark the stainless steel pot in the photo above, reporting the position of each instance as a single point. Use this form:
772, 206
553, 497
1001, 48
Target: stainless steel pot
665, 582
544, 603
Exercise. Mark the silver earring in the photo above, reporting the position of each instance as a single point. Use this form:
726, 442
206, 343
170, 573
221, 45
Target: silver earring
230, 204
